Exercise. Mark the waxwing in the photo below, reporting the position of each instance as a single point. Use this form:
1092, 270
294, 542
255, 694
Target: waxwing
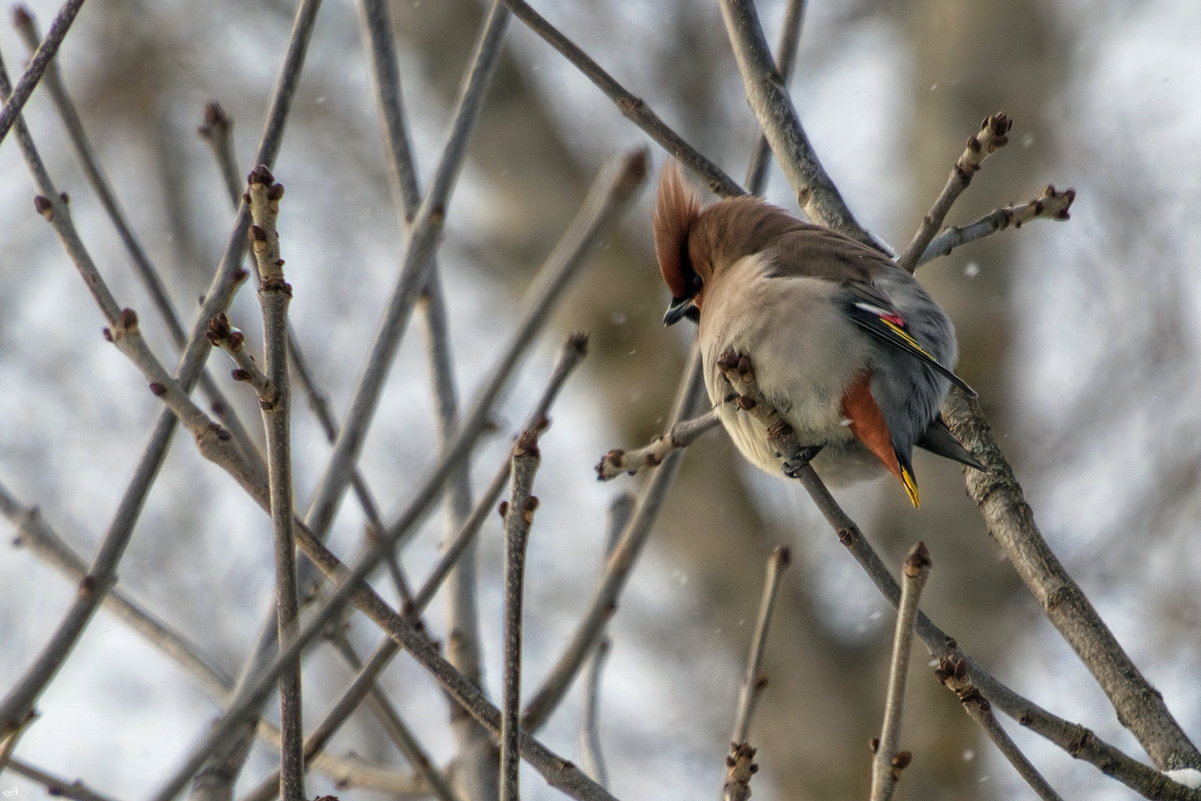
846, 345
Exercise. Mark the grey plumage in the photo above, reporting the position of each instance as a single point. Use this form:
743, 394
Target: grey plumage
825, 320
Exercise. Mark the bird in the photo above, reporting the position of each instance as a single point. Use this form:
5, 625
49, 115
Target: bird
845, 344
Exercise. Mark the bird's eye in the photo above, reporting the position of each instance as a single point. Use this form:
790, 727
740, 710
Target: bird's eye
695, 283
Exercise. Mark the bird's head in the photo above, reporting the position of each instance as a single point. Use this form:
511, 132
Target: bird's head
677, 209
694, 244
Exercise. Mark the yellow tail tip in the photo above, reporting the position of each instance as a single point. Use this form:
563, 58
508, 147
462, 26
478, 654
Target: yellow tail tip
910, 487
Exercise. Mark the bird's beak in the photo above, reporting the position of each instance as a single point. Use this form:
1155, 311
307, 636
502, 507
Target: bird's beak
679, 309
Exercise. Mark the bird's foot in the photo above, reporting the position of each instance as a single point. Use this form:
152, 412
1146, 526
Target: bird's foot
739, 372
793, 465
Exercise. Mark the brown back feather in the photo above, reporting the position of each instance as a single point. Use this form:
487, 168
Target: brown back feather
741, 226
676, 208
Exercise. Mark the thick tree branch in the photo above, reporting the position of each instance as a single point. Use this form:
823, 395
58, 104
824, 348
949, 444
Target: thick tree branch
815, 192
1139, 706
1073, 738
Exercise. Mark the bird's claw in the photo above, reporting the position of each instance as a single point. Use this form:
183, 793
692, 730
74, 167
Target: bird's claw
797, 462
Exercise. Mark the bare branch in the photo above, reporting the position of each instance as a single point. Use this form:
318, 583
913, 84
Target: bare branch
815, 192
1050, 205
753, 681
1076, 740
414, 275
604, 597
218, 131
16, 97
790, 35
363, 687
275, 294
992, 136
1139, 706
477, 758
55, 786
953, 674
222, 334
518, 514
146, 271
889, 761
633, 108
590, 740
681, 435
739, 770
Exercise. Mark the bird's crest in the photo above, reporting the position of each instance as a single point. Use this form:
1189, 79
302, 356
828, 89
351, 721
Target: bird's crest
676, 208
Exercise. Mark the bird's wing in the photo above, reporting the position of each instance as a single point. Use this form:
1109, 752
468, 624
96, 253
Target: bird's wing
871, 311
811, 251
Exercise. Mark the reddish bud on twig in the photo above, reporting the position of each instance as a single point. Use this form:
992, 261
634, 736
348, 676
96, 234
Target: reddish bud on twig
44, 207
261, 175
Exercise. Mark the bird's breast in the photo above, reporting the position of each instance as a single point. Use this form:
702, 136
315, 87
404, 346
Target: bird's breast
805, 355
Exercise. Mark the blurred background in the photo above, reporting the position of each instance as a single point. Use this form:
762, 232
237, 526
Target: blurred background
1082, 338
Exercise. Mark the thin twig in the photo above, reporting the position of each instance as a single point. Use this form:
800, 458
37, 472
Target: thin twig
889, 761
992, 136
815, 192
680, 436
145, 269
477, 762
612, 193
33, 532
1140, 707
232, 343
217, 130
423, 242
518, 514
633, 108
573, 351
1073, 738
790, 35
953, 674
739, 770
275, 294
610, 196
753, 681
603, 602
593, 758
16, 96
55, 786
1050, 205
363, 687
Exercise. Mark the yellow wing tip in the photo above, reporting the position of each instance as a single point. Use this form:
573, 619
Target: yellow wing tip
911, 487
